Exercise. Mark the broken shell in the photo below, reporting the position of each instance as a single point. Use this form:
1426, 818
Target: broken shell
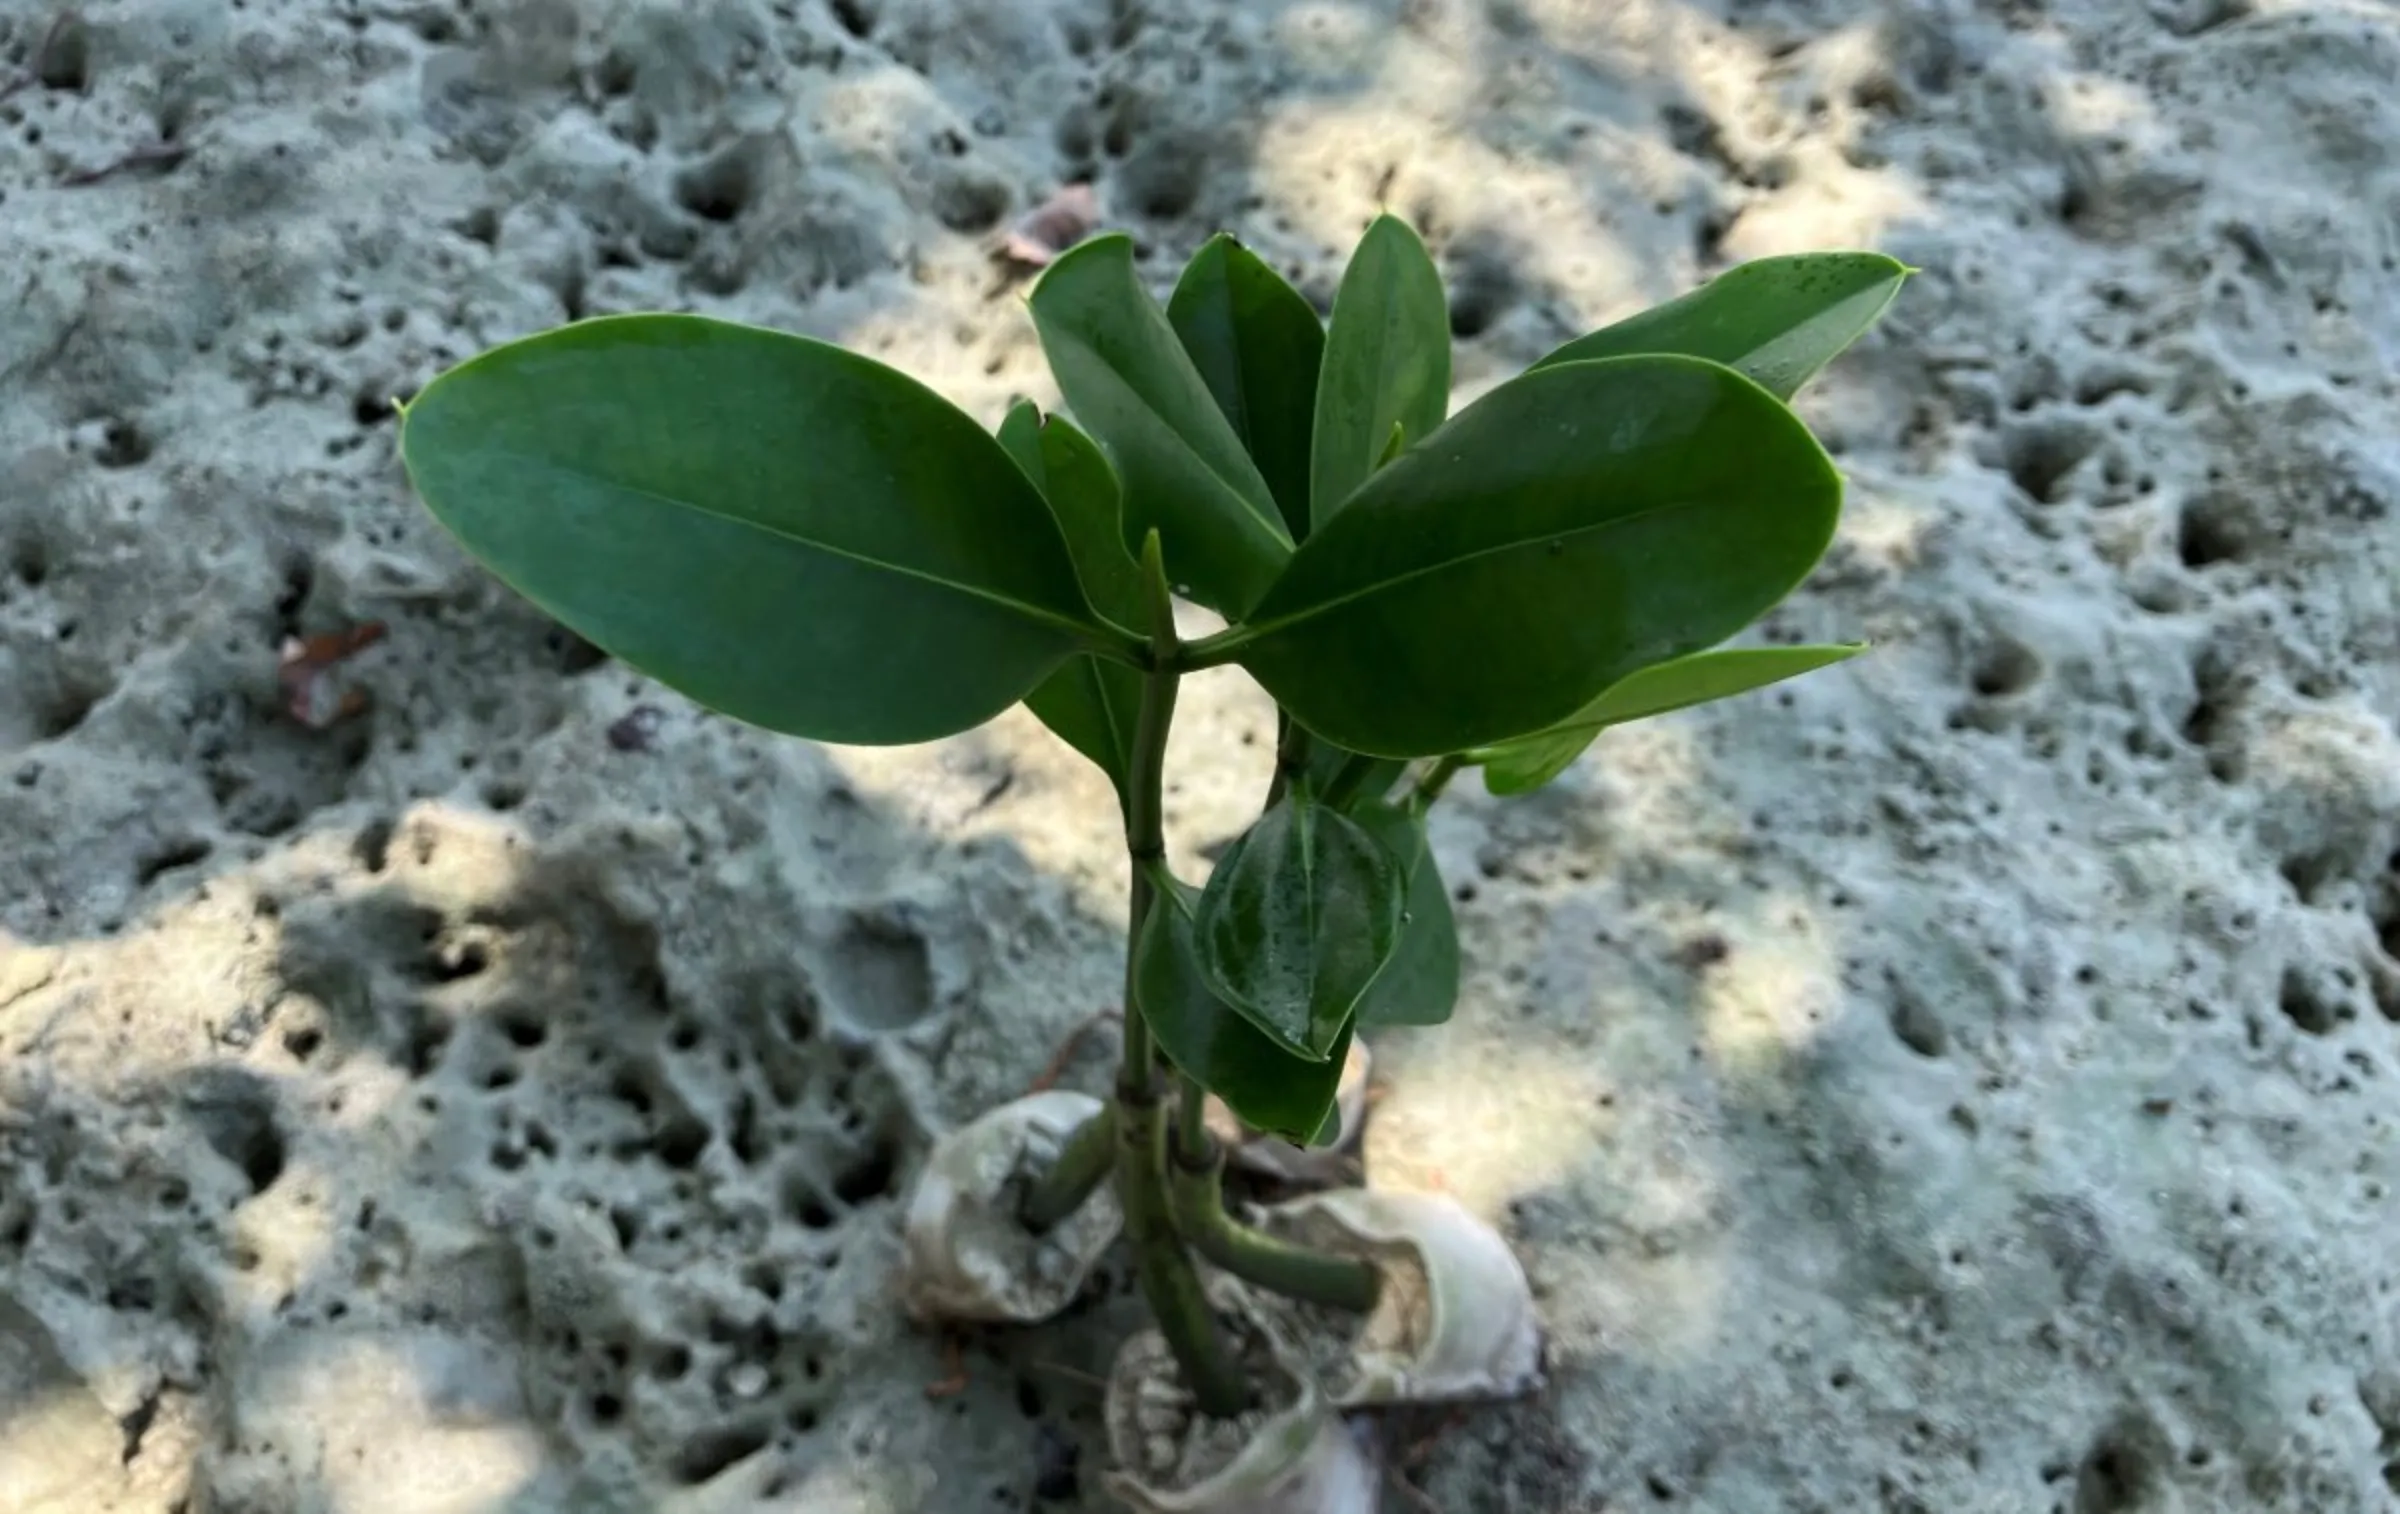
964, 1253
1455, 1319
1278, 1159
1301, 1458
1050, 228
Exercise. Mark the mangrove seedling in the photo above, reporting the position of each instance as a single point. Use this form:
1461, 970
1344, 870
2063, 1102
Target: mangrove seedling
809, 541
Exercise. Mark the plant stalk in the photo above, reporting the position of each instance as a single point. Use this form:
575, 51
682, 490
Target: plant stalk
1346, 779
1191, 1122
1437, 778
1169, 1280
1338, 1282
1083, 1164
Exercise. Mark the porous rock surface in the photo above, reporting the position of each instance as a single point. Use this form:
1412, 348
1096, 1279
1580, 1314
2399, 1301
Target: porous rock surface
1961, 1080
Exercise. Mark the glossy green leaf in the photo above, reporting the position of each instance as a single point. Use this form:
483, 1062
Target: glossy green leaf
1186, 474
1091, 701
1257, 344
1020, 436
1267, 1086
1387, 364
787, 532
1775, 320
1419, 985
1300, 915
1572, 526
1523, 765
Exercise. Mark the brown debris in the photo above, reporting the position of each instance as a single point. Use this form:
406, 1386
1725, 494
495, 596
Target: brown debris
305, 671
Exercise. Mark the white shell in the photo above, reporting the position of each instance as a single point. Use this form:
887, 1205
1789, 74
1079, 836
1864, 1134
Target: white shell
1276, 1158
1303, 1458
1455, 1321
965, 1255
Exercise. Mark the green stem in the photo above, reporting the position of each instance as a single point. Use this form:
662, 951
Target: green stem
1346, 779
1338, 1282
1437, 778
1084, 1162
1169, 1280
1191, 1122
1291, 757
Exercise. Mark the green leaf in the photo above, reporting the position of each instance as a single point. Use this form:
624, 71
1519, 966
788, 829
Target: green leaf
1265, 1085
1572, 526
1299, 916
1091, 702
1020, 436
1419, 986
1774, 320
1523, 765
1387, 364
1126, 378
1257, 344
787, 532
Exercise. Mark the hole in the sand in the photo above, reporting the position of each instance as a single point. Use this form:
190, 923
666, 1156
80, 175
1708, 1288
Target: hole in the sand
711, 1452
680, 1141
743, 1138
1919, 1028
857, 17
422, 1042
2006, 667
1483, 285
30, 561
65, 711
2209, 532
2305, 1004
806, 1205
63, 60
719, 189
525, 1029
372, 847
190, 852
2039, 457
1163, 180
298, 579
235, 1112
302, 1041
122, 445
2308, 872
451, 962
873, 1175
2114, 1479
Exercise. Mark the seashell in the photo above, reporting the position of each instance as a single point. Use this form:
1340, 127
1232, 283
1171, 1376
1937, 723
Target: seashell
964, 1253
1301, 1458
1050, 228
1455, 1320
1278, 1159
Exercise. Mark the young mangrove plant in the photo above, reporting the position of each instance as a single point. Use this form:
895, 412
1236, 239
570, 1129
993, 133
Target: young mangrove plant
811, 542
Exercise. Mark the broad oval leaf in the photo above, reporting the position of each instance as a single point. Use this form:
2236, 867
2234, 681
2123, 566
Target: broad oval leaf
787, 532
1257, 344
1091, 702
1777, 321
1300, 915
1419, 986
1576, 524
1125, 376
1208, 1039
1521, 766
1386, 375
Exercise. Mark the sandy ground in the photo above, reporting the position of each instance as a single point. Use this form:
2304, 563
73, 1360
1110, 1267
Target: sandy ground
1962, 1081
